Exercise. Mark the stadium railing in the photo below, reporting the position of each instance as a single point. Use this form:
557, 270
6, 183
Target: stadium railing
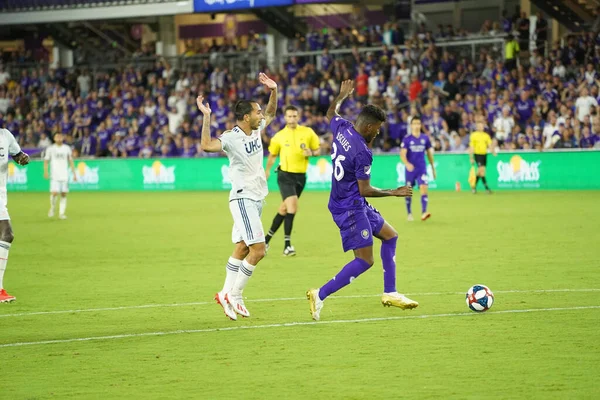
469, 48
242, 62
250, 62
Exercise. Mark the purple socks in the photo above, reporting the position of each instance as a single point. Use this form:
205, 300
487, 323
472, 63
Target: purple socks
388, 258
352, 270
408, 204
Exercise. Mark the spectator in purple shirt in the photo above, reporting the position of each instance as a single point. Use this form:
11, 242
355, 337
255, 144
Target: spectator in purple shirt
132, 143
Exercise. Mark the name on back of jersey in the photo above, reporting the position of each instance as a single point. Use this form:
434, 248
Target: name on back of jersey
343, 141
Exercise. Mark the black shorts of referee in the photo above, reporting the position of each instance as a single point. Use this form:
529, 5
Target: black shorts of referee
290, 183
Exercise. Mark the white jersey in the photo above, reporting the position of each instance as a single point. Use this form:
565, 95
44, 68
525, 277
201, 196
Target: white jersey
59, 157
8, 147
246, 170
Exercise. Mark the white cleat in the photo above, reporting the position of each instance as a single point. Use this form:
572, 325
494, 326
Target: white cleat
237, 303
395, 299
266, 248
410, 218
51, 214
63, 216
289, 251
316, 304
227, 309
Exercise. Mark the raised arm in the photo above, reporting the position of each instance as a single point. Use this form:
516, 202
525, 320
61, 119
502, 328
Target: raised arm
346, 90
207, 143
271, 109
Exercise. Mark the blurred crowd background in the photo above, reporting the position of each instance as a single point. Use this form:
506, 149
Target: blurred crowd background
533, 94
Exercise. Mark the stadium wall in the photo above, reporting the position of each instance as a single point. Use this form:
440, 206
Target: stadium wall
522, 170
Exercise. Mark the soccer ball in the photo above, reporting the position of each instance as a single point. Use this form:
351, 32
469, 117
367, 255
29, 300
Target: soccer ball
480, 298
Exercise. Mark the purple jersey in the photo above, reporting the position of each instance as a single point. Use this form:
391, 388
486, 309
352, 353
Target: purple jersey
525, 109
416, 147
352, 161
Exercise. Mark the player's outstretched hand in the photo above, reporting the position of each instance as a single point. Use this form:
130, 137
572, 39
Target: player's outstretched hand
268, 82
404, 191
22, 158
347, 88
204, 108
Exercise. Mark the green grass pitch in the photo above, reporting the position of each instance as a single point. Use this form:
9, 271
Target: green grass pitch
116, 302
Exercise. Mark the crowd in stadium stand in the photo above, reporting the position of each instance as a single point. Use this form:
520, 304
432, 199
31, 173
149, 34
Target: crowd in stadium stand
541, 102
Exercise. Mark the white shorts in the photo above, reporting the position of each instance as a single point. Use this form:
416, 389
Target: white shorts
3, 210
59, 186
247, 226
4, 214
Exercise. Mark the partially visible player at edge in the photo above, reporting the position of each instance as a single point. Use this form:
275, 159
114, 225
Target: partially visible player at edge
357, 219
8, 146
412, 154
479, 144
293, 144
60, 157
243, 146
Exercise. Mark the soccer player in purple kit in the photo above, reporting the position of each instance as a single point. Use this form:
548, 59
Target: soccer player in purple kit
357, 219
412, 153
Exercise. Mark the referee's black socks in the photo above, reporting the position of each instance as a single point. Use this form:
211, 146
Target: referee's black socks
277, 221
485, 183
287, 227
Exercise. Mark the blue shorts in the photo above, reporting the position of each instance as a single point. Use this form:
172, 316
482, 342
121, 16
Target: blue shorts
357, 227
418, 176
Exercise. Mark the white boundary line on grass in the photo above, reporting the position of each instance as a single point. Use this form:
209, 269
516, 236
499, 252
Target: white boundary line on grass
202, 303
288, 324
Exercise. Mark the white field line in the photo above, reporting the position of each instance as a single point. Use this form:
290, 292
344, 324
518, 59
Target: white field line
289, 324
202, 303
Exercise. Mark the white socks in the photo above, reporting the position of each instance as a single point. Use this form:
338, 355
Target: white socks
4, 247
52, 203
62, 207
241, 280
233, 266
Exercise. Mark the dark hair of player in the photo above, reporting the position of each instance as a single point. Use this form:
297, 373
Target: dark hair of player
370, 114
416, 118
242, 107
290, 108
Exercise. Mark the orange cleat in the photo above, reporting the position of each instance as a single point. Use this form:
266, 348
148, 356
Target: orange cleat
5, 297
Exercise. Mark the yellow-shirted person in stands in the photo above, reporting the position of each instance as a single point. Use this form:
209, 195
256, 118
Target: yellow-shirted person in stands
294, 144
479, 144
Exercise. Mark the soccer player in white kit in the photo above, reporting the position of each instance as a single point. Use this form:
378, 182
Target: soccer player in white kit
8, 146
60, 157
243, 146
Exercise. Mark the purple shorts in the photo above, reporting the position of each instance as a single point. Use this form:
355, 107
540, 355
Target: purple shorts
418, 176
357, 227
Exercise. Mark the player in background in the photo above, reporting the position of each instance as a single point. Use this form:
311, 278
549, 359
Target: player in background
412, 153
243, 146
479, 144
293, 144
59, 156
8, 146
357, 220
